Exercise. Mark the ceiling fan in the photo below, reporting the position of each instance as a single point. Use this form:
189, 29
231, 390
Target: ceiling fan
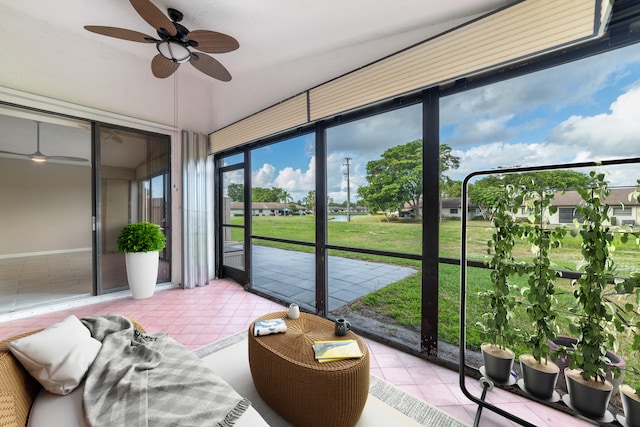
174, 42
39, 157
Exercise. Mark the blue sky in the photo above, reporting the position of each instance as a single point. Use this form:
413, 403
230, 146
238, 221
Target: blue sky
585, 110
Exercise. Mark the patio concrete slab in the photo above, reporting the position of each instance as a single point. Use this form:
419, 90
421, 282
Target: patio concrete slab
290, 275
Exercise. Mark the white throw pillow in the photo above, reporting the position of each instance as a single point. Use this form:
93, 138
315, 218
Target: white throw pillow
58, 356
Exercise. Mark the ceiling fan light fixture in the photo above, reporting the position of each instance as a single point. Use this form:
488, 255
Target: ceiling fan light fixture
38, 158
174, 51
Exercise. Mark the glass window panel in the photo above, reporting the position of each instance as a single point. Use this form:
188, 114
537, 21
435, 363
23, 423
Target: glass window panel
233, 219
283, 189
377, 293
284, 271
283, 207
580, 111
234, 159
374, 182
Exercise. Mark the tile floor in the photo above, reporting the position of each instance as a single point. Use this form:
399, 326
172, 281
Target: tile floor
199, 316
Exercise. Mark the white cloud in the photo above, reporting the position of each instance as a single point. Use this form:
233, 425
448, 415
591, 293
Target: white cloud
500, 155
603, 136
263, 177
297, 182
543, 94
371, 136
470, 132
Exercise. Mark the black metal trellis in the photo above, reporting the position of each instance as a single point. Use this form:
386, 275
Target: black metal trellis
486, 383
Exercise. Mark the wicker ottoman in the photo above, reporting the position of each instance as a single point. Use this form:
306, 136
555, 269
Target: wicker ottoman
305, 392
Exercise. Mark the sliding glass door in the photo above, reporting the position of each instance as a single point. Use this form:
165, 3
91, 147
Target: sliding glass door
45, 209
133, 186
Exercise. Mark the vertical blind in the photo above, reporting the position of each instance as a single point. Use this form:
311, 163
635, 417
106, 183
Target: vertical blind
522, 30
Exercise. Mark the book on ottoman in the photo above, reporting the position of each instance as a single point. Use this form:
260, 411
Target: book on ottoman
327, 351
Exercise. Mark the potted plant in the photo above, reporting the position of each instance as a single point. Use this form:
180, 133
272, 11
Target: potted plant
630, 388
141, 243
588, 390
539, 374
630, 397
630, 392
495, 327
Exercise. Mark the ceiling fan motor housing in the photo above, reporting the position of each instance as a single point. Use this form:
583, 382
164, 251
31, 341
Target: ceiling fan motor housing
175, 48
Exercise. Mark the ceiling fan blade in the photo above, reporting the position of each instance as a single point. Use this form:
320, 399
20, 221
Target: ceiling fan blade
162, 68
210, 66
14, 154
67, 158
213, 42
120, 33
154, 16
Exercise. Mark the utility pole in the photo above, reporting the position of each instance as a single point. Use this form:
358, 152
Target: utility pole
346, 163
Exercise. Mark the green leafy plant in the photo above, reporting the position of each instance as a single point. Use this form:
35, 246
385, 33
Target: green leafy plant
495, 326
598, 268
630, 314
540, 293
141, 237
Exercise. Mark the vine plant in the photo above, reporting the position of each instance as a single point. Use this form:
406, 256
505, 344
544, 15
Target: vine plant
630, 314
496, 327
597, 312
541, 283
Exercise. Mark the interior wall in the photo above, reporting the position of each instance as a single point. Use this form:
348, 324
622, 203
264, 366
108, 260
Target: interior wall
46, 207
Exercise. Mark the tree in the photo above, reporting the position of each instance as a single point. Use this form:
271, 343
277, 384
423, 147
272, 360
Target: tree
447, 161
485, 191
310, 201
236, 192
273, 194
396, 178
450, 188
286, 196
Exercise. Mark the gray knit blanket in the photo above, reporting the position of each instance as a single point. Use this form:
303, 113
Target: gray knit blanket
141, 379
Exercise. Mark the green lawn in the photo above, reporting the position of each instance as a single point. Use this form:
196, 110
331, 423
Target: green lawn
401, 300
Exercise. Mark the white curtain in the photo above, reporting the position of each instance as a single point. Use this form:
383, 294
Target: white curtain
196, 183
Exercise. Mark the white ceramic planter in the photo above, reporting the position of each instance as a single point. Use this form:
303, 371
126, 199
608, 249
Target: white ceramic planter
142, 273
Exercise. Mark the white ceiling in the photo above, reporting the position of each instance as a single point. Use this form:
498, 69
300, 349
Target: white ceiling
286, 46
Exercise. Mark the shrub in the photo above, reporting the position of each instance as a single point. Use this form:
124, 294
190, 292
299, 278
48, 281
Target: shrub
141, 237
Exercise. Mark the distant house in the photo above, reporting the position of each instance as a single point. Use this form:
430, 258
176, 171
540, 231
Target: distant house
452, 208
266, 209
623, 211
342, 210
